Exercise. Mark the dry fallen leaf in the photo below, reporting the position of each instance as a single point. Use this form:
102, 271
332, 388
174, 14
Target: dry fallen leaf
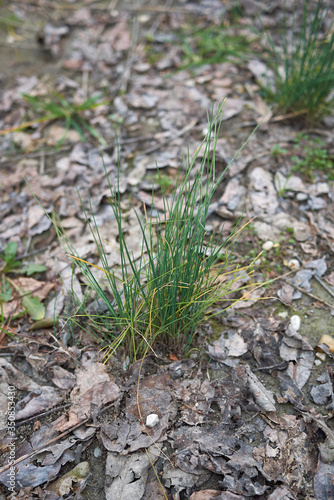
263, 397
70, 481
39, 289
328, 340
205, 495
92, 400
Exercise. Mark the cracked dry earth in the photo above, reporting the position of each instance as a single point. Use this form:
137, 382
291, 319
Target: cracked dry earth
249, 413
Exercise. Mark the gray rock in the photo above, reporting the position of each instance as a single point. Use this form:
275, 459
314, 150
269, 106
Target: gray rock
262, 192
292, 183
274, 225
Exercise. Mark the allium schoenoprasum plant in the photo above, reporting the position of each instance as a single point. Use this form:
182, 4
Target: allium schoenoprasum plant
303, 61
163, 295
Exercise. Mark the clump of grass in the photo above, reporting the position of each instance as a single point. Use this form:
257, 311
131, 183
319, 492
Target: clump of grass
211, 45
164, 294
303, 64
56, 107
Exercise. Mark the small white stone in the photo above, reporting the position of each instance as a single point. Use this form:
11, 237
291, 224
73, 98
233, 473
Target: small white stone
295, 322
152, 420
293, 264
283, 314
317, 362
301, 196
97, 452
268, 245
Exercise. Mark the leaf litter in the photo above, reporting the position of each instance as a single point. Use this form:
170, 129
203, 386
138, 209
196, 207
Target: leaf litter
248, 417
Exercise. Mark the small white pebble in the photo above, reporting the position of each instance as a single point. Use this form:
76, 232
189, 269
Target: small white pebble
317, 362
152, 420
293, 264
268, 245
272, 452
97, 452
283, 314
144, 18
295, 322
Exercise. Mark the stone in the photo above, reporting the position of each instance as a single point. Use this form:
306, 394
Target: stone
152, 420
268, 245
274, 226
262, 192
293, 264
292, 183
295, 322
